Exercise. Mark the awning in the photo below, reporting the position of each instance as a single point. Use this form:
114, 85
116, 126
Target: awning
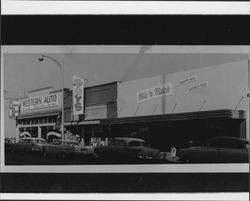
29, 116
87, 122
232, 114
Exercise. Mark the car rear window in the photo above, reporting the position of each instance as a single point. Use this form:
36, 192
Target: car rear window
228, 143
27, 141
118, 143
136, 143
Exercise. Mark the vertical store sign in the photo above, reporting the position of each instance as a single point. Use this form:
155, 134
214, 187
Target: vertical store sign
14, 109
78, 95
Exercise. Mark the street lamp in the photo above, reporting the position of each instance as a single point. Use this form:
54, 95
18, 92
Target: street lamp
62, 86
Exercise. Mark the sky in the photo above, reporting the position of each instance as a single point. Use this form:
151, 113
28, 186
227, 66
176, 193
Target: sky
23, 72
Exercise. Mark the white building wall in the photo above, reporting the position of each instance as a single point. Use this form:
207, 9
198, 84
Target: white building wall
226, 86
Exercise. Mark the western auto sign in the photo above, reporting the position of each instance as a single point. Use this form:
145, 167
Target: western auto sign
154, 92
78, 95
42, 102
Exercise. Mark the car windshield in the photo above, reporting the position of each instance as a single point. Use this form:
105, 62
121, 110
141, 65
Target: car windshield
73, 143
27, 141
56, 142
116, 142
136, 144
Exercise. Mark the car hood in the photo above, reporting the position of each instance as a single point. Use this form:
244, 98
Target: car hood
140, 147
194, 148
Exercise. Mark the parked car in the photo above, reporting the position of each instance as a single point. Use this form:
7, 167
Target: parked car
217, 150
63, 148
29, 145
127, 148
8, 144
84, 151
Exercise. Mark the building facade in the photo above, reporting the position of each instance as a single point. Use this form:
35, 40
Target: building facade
165, 110
173, 109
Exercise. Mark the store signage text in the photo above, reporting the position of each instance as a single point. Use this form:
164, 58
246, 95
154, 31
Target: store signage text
198, 86
14, 109
38, 102
78, 95
154, 92
188, 80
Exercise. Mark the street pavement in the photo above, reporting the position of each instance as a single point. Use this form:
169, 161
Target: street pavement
35, 159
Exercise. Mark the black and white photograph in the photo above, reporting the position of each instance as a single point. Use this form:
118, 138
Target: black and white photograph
121, 100
126, 105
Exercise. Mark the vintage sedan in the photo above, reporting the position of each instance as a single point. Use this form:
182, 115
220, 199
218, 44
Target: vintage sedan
127, 148
29, 145
217, 150
62, 148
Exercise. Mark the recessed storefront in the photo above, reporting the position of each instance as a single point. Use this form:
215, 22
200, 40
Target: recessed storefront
165, 131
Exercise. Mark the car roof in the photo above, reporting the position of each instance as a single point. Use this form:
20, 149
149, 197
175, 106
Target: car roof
128, 139
65, 140
231, 138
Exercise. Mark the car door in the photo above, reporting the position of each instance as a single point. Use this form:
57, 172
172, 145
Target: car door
134, 148
222, 150
54, 148
201, 154
119, 148
208, 153
26, 145
30, 144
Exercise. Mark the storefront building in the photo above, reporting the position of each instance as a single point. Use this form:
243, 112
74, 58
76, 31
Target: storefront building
174, 109
165, 110
41, 109
100, 103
